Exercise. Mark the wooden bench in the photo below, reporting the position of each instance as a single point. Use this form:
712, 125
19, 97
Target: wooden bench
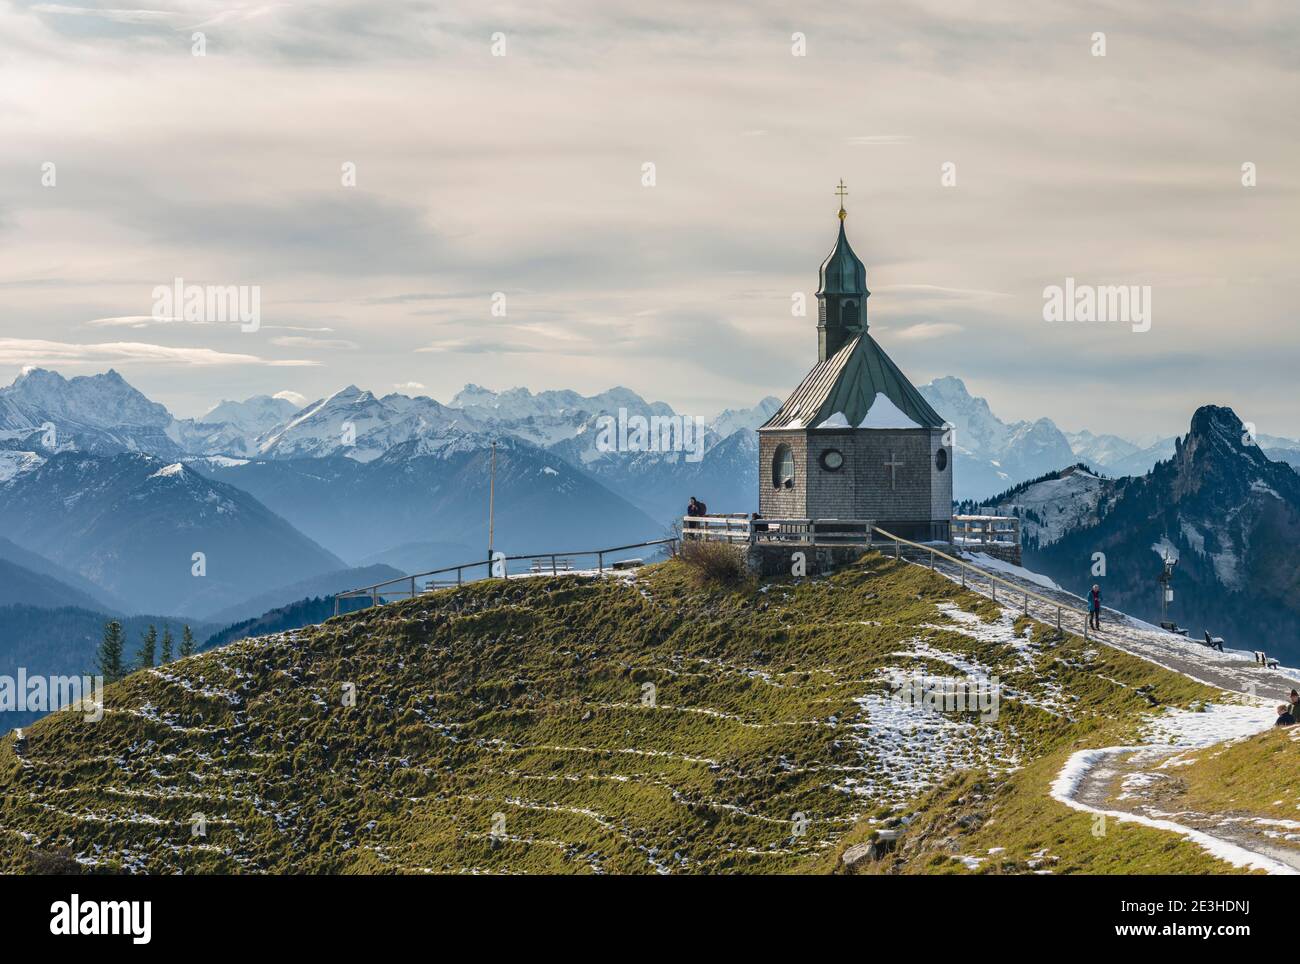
1263, 659
1214, 642
627, 564
551, 565
1173, 628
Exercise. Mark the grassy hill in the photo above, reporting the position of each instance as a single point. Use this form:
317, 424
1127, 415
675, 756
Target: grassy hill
508, 727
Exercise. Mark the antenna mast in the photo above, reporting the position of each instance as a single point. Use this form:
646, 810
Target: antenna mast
492, 486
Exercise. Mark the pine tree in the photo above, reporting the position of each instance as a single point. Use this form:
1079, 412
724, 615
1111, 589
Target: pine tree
110, 653
148, 648
166, 655
187, 642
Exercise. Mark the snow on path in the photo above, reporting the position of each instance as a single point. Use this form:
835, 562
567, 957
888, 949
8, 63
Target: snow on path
1234, 670
1082, 763
1175, 730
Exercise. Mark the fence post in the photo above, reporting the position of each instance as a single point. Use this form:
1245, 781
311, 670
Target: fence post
374, 596
336, 605
898, 547
553, 570
458, 572
412, 587
931, 558
963, 577
994, 586
600, 562
1026, 604
1058, 619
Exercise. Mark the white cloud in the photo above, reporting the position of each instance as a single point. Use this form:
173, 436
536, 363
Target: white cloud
928, 329
301, 341
548, 207
31, 351
297, 398
409, 387
132, 321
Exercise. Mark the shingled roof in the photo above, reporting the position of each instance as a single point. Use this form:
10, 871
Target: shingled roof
848, 385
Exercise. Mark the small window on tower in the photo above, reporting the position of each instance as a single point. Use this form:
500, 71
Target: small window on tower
832, 460
941, 459
849, 314
783, 467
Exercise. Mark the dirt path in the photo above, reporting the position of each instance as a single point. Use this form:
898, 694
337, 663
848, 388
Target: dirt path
1136, 783
1132, 783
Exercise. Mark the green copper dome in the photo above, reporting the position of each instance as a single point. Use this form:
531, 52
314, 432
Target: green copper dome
842, 273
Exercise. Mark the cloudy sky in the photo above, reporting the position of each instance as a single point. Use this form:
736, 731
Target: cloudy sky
523, 174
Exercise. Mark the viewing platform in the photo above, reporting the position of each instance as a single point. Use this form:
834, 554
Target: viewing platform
771, 539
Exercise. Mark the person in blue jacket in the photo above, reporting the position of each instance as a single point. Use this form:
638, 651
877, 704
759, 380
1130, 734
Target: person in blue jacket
1094, 607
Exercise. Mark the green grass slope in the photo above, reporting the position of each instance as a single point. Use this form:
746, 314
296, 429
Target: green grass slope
508, 727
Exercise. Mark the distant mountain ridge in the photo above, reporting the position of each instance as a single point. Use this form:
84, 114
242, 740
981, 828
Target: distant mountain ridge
133, 522
1228, 512
402, 480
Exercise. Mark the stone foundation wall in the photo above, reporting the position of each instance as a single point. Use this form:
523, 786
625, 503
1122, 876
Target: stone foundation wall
769, 559
1006, 552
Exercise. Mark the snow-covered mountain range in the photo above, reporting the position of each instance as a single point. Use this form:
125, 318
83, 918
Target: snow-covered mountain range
992, 456
1221, 505
401, 480
104, 414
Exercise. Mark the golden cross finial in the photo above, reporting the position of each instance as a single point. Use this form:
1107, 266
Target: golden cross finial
841, 190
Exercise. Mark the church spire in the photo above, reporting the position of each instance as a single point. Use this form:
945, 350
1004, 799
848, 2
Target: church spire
842, 292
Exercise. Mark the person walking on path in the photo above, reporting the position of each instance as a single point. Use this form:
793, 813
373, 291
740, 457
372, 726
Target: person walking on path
1094, 607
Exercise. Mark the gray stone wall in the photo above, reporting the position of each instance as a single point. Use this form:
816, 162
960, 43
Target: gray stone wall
1007, 553
767, 560
876, 494
940, 481
833, 495
783, 503
861, 488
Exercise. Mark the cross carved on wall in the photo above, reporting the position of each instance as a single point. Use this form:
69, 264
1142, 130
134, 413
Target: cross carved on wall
893, 465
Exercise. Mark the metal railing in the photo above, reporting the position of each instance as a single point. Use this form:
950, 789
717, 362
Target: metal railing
736, 528
1013, 590
740, 529
408, 587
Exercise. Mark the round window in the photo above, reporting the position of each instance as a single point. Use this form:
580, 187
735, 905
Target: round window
941, 459
832, 460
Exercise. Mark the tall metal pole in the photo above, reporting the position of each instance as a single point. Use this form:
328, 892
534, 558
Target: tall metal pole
492, 486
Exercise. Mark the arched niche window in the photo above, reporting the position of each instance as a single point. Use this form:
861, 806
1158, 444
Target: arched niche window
941, 459
783, 467
849, 313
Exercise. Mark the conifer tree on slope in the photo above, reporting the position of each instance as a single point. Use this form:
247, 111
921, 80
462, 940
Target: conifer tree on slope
148, 648
109, 661
187, 642
166, 655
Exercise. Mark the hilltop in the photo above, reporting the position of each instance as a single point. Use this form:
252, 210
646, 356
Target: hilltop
631, 725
